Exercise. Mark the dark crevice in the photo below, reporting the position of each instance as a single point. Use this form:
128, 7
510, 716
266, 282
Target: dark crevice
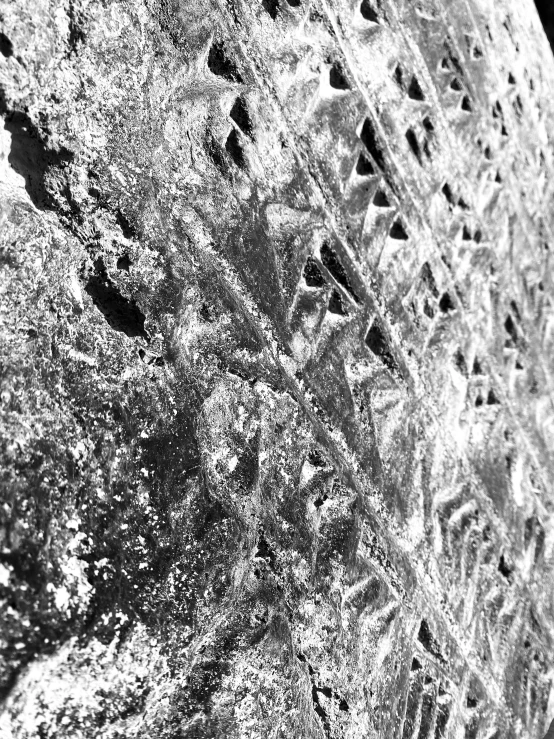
381, 200
121, 313
32, 158
414, 90
428, 280
510, 328
503, 567
398, 231
492, 399
428, 640
127, 228
364, 168
124, 263
234, 148
460, 362
411, 138
239, 113
312, 274
336, 269
368, 136
6, 46
220, 64
367, 12
336, 304
377, 343
448, 194
446, 303
337, 78
271, 7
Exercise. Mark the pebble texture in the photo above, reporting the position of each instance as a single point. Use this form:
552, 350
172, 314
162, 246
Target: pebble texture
276, 379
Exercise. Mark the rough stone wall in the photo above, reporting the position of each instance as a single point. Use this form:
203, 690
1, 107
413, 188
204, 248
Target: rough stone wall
276, 340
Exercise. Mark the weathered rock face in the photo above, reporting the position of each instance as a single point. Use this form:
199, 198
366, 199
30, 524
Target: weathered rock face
276, 369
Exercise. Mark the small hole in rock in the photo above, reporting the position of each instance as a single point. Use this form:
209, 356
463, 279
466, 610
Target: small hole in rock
124, 262
466, 104
492, 399
511, 79
368, 136
447, 192
411, 138
239, 113
337, 78
271, 7
478, 401
399, 76
235, 150
466, 234
364, 168
6, 46
367, 12
398, 231
336, 304
416, 664
312, 274
477, 370
381, 200
318, 502
333, 264
503, 567
220, 64
428, 125
414, 91
378, 345
445, 304
456, 85
460, 362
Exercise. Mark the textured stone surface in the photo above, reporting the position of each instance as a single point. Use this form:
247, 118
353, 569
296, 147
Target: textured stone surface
276, 339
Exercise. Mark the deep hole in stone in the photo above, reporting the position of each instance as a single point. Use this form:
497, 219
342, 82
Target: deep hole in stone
368, 136
336, 304
235, 150
411, 138
124, 262
414, 90
367, 12
398, 231
271, 7
312, 274
221, 65
381, 200
239, 113
364, 167
378, 345
121, 313
337, 78
460, 362
448, 194
446, 303
333, 264
6, 46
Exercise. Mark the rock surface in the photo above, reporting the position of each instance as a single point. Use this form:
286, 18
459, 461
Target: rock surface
276, 340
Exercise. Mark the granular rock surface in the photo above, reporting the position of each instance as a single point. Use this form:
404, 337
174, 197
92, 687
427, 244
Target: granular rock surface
276, 369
